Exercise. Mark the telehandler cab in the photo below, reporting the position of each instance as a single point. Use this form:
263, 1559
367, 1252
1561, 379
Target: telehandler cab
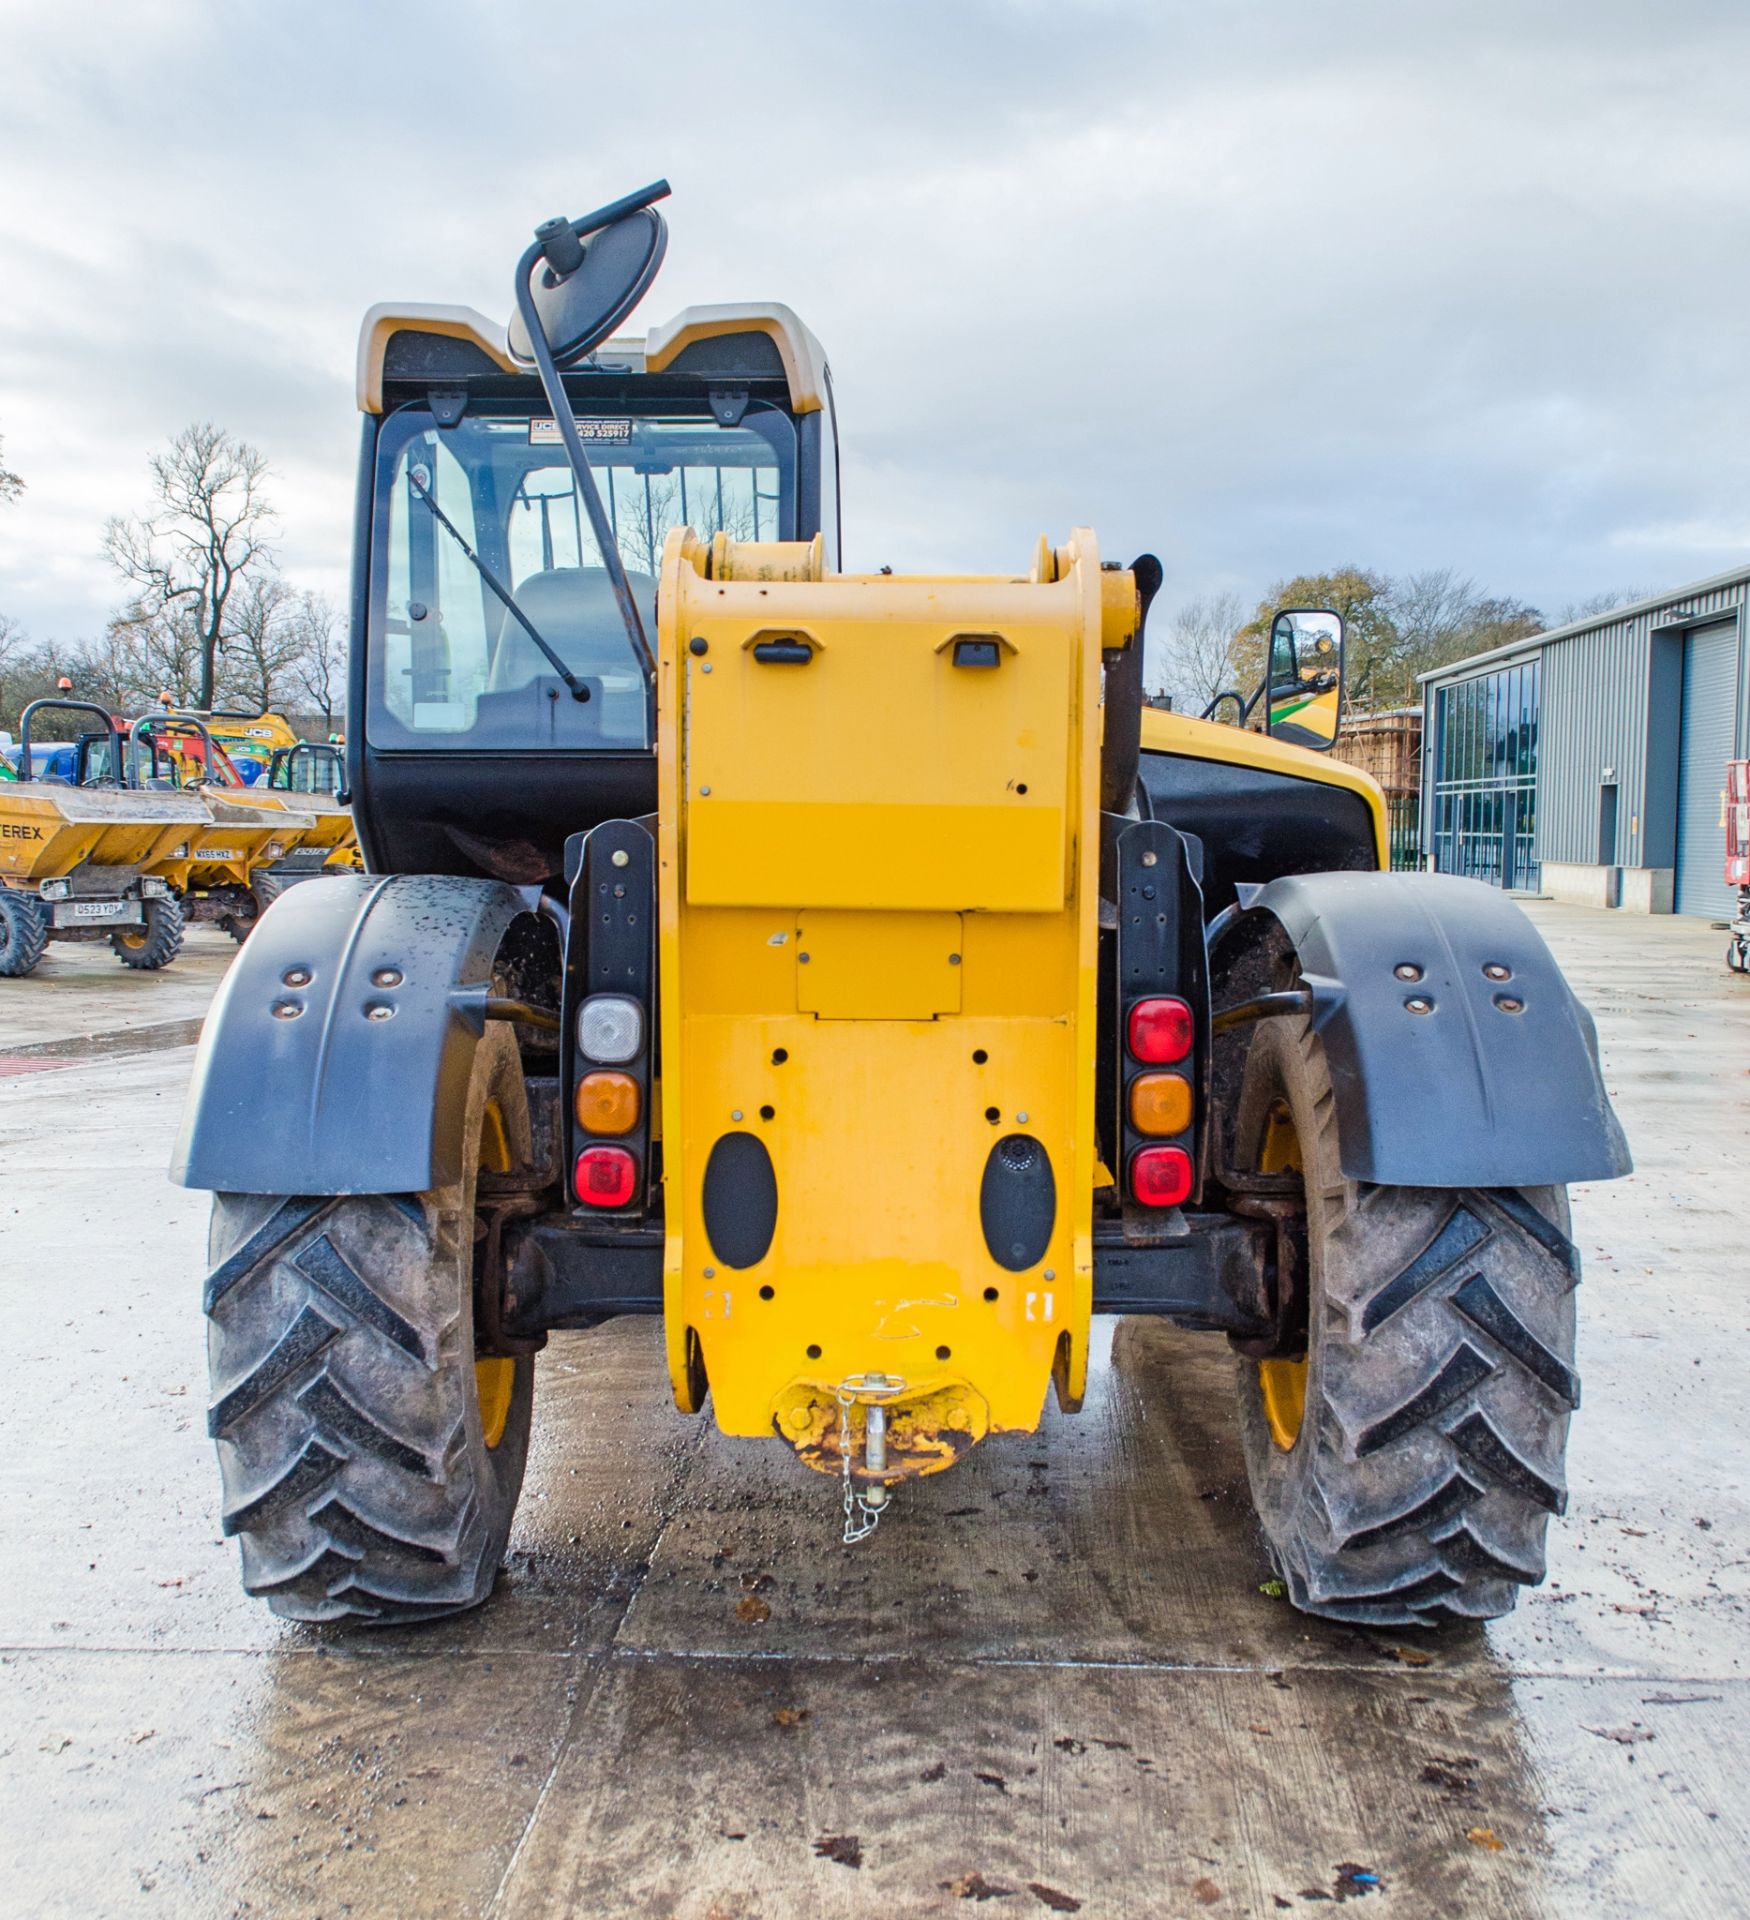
849, 970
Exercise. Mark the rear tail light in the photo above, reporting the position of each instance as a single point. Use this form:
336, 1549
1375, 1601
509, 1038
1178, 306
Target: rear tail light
607, 1103
605, 1177
610, 1028
1161, 1176
1160, 1032
1160, 1103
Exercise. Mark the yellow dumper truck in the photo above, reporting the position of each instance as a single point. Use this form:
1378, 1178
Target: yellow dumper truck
80, 858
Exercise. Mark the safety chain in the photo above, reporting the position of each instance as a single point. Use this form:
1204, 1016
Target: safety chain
861, 1518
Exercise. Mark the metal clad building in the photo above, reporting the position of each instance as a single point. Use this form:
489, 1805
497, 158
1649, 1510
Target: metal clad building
1589, 762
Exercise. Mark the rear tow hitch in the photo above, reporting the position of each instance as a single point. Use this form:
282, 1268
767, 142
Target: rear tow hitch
864, 1507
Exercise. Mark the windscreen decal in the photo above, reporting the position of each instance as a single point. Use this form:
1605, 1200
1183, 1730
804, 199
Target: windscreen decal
545, 433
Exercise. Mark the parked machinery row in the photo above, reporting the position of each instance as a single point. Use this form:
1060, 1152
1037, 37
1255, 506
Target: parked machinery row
141, 827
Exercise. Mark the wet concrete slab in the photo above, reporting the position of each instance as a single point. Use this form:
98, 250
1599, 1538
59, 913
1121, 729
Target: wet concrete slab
1053, 1675
79, 990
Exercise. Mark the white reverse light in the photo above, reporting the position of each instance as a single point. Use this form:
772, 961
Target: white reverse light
610, 1028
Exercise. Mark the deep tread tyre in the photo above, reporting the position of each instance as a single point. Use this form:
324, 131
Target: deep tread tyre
355, 1467
1439, 1379
267, 888
157, 942
24, 933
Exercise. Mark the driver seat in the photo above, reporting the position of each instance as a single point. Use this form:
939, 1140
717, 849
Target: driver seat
574, 611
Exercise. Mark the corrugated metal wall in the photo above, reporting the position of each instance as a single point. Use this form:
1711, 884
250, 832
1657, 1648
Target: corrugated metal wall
1609, 700
1594, 716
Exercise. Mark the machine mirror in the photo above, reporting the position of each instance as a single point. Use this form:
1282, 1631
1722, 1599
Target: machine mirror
1303, 705
580, 305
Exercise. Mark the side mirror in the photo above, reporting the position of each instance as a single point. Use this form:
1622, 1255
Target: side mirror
1303, 699
583, 286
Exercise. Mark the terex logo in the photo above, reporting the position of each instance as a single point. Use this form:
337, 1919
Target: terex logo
8, 832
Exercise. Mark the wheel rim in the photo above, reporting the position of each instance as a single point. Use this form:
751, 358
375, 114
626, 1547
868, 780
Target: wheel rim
133, 941
1282, 1383
494, 1384
494, 1374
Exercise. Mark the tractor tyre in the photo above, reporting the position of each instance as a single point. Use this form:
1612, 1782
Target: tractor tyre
1406, 1461
265, 888
24, 932
370, 1459
1737, 955
155, 944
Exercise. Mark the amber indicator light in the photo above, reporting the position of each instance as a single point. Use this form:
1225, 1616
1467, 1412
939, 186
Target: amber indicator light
607, 1103
1160, 1103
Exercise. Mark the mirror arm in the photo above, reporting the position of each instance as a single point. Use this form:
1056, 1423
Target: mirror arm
1227, 693
566, 420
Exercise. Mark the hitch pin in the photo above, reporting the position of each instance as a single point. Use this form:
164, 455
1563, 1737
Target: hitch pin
875, 1452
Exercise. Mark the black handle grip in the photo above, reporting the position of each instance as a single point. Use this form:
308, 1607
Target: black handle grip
784, 653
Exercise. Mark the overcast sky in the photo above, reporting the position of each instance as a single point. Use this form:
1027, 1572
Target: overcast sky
1264, 285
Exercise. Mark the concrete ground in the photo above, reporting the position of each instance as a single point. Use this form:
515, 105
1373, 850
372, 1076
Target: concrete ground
1053, 1679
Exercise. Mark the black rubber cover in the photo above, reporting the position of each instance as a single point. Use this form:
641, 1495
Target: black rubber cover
1017, 1202
329, 1099
1478, 1092
1256, 826
740, 1200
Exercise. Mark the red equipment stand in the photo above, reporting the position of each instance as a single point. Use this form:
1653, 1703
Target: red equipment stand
1738, 861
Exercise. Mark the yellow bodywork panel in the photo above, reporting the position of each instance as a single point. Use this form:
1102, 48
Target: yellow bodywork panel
878, 903
940, 786
889, 966
47, 831
244, 832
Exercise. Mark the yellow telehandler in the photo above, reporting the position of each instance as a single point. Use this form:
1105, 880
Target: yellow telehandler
845, 968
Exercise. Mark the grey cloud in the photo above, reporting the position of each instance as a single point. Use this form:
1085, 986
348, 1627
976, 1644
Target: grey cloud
1264, 286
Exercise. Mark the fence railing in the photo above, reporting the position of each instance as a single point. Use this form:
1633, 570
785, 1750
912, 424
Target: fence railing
1404, 819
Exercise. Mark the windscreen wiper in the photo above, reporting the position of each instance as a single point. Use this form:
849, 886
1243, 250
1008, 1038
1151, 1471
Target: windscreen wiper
579, 691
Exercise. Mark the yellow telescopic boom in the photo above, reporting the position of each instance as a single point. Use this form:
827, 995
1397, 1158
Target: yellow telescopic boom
878, 965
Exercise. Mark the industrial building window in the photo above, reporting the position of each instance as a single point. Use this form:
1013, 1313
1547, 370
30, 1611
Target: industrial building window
1485, 777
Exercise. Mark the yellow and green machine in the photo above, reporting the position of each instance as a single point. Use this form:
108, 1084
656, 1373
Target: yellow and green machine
289, 823
850, 970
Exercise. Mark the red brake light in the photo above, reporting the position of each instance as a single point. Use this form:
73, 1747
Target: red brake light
1161, 1176
605, 1177
1160, 1032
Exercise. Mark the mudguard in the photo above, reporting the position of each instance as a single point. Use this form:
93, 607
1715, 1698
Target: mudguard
337, 1053
1495, 1084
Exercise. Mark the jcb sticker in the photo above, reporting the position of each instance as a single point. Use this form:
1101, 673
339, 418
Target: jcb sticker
545, 433
713, 1295
1041, 1306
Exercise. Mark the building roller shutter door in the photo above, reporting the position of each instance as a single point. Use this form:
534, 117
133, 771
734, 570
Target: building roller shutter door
1710, 708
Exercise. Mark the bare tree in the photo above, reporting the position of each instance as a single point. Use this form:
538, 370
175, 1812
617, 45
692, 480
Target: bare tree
208, 528
114, 671
1597, 603
163, 645
20, 668
11, 486
319, 670
1431, 610
1199, 658
265, 646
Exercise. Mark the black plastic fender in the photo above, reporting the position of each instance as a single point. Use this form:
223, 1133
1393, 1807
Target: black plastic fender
1478, 1069
337, 1053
